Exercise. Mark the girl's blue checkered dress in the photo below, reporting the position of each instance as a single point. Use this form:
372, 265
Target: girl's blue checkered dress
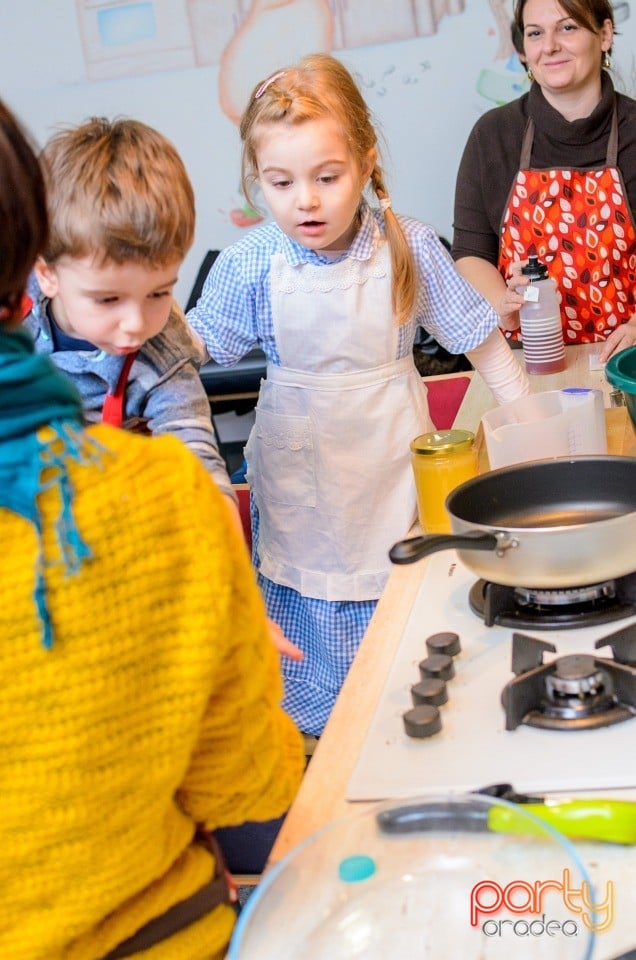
233, 315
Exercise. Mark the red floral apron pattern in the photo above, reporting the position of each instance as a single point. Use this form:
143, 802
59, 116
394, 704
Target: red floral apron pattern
579, 223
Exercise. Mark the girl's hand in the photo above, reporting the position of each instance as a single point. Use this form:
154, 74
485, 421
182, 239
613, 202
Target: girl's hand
621, 338
284, 646
512, 300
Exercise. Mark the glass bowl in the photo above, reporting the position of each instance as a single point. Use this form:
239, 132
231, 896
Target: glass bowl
431, 877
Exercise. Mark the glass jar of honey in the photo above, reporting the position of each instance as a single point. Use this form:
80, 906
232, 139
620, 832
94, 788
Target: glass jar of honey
441, 461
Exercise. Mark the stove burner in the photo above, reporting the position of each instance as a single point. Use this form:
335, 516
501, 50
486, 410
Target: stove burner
542, 609
563, 598
576, 676
577, 692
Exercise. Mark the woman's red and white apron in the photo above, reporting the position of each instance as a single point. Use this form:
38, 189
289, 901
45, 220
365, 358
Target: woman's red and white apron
579, 223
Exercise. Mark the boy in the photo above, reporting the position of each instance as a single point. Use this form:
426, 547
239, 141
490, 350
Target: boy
121, 210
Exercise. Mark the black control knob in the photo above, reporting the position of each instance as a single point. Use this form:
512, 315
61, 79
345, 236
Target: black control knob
422, 721
431, 690
439, 666
446, 643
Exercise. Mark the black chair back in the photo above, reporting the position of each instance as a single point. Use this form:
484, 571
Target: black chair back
202, 275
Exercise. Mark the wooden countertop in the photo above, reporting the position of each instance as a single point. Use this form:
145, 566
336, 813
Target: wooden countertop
321, 797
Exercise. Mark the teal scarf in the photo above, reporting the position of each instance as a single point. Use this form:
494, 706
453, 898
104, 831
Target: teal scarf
34, 394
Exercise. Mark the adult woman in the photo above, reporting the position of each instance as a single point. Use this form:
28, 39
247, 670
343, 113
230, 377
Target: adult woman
132, 647
554, 173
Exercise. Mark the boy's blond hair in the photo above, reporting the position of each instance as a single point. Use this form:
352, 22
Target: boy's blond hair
320, 86
119, 191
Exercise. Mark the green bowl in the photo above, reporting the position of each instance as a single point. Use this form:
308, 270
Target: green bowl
620, 371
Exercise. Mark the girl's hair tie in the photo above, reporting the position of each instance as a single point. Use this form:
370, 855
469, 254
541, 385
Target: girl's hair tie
265, 84
385, 204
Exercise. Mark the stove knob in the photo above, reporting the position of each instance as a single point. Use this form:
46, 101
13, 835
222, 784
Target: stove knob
432, 690
422, 721
438, 665
447, 643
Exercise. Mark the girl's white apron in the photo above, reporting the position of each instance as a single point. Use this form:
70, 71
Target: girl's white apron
328, 457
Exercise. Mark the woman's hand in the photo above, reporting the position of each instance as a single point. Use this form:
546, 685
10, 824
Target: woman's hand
512, 300
621, 338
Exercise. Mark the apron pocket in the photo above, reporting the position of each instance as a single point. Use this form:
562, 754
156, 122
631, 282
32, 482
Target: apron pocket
284, 459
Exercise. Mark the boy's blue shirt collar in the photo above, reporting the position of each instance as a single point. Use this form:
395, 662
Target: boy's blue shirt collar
361, 248
43, 326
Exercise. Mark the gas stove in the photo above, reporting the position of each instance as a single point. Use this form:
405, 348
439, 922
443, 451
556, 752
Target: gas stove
470, 701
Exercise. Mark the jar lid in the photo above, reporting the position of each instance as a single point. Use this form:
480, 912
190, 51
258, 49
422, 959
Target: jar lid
440, 442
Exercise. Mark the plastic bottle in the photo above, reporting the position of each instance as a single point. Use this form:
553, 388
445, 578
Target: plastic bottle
541, 328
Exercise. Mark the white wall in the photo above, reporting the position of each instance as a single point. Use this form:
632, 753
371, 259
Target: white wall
425, 92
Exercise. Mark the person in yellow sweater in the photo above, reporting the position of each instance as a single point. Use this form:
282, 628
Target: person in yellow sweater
139, 691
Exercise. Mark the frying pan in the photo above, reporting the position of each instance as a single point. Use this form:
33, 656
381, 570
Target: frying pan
547, 524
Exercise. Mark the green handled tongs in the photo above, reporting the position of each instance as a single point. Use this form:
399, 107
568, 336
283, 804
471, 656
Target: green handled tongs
606, 820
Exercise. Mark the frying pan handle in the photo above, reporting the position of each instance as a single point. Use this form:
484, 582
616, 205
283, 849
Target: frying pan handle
408, 551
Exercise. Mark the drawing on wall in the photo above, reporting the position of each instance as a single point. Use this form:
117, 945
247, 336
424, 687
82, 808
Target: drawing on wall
248, 39
302, 26
505, 78
132, 37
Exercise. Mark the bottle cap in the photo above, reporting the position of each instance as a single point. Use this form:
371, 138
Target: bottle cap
535, 269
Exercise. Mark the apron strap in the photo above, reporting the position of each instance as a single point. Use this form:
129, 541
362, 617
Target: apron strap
113, 407
526, 145
612, 143
26, 305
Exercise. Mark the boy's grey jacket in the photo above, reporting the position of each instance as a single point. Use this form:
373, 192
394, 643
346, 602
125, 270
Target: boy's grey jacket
164, 389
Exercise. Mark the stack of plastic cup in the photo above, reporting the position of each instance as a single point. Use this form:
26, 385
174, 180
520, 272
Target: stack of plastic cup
541, 328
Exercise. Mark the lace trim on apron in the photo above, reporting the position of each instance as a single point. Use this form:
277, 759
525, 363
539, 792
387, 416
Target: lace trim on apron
323, 280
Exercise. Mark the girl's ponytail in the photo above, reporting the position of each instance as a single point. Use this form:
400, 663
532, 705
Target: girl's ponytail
404, 280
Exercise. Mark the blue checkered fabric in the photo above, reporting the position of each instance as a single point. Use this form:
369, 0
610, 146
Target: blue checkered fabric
329, 634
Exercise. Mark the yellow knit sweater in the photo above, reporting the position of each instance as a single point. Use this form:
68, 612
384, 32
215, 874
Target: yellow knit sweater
156, 709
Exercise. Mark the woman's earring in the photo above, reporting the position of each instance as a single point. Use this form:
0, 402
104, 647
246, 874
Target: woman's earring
530, 74
607, 60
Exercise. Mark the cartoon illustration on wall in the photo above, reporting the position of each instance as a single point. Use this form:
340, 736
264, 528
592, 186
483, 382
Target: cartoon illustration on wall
131, 37
505, 78
301, 26
249, 39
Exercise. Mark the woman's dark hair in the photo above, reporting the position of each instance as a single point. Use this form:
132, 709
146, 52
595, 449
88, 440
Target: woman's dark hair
590, 14
516, 35
23, 217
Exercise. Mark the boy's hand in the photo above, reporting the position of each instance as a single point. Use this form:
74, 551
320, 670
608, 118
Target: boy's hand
284, 646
